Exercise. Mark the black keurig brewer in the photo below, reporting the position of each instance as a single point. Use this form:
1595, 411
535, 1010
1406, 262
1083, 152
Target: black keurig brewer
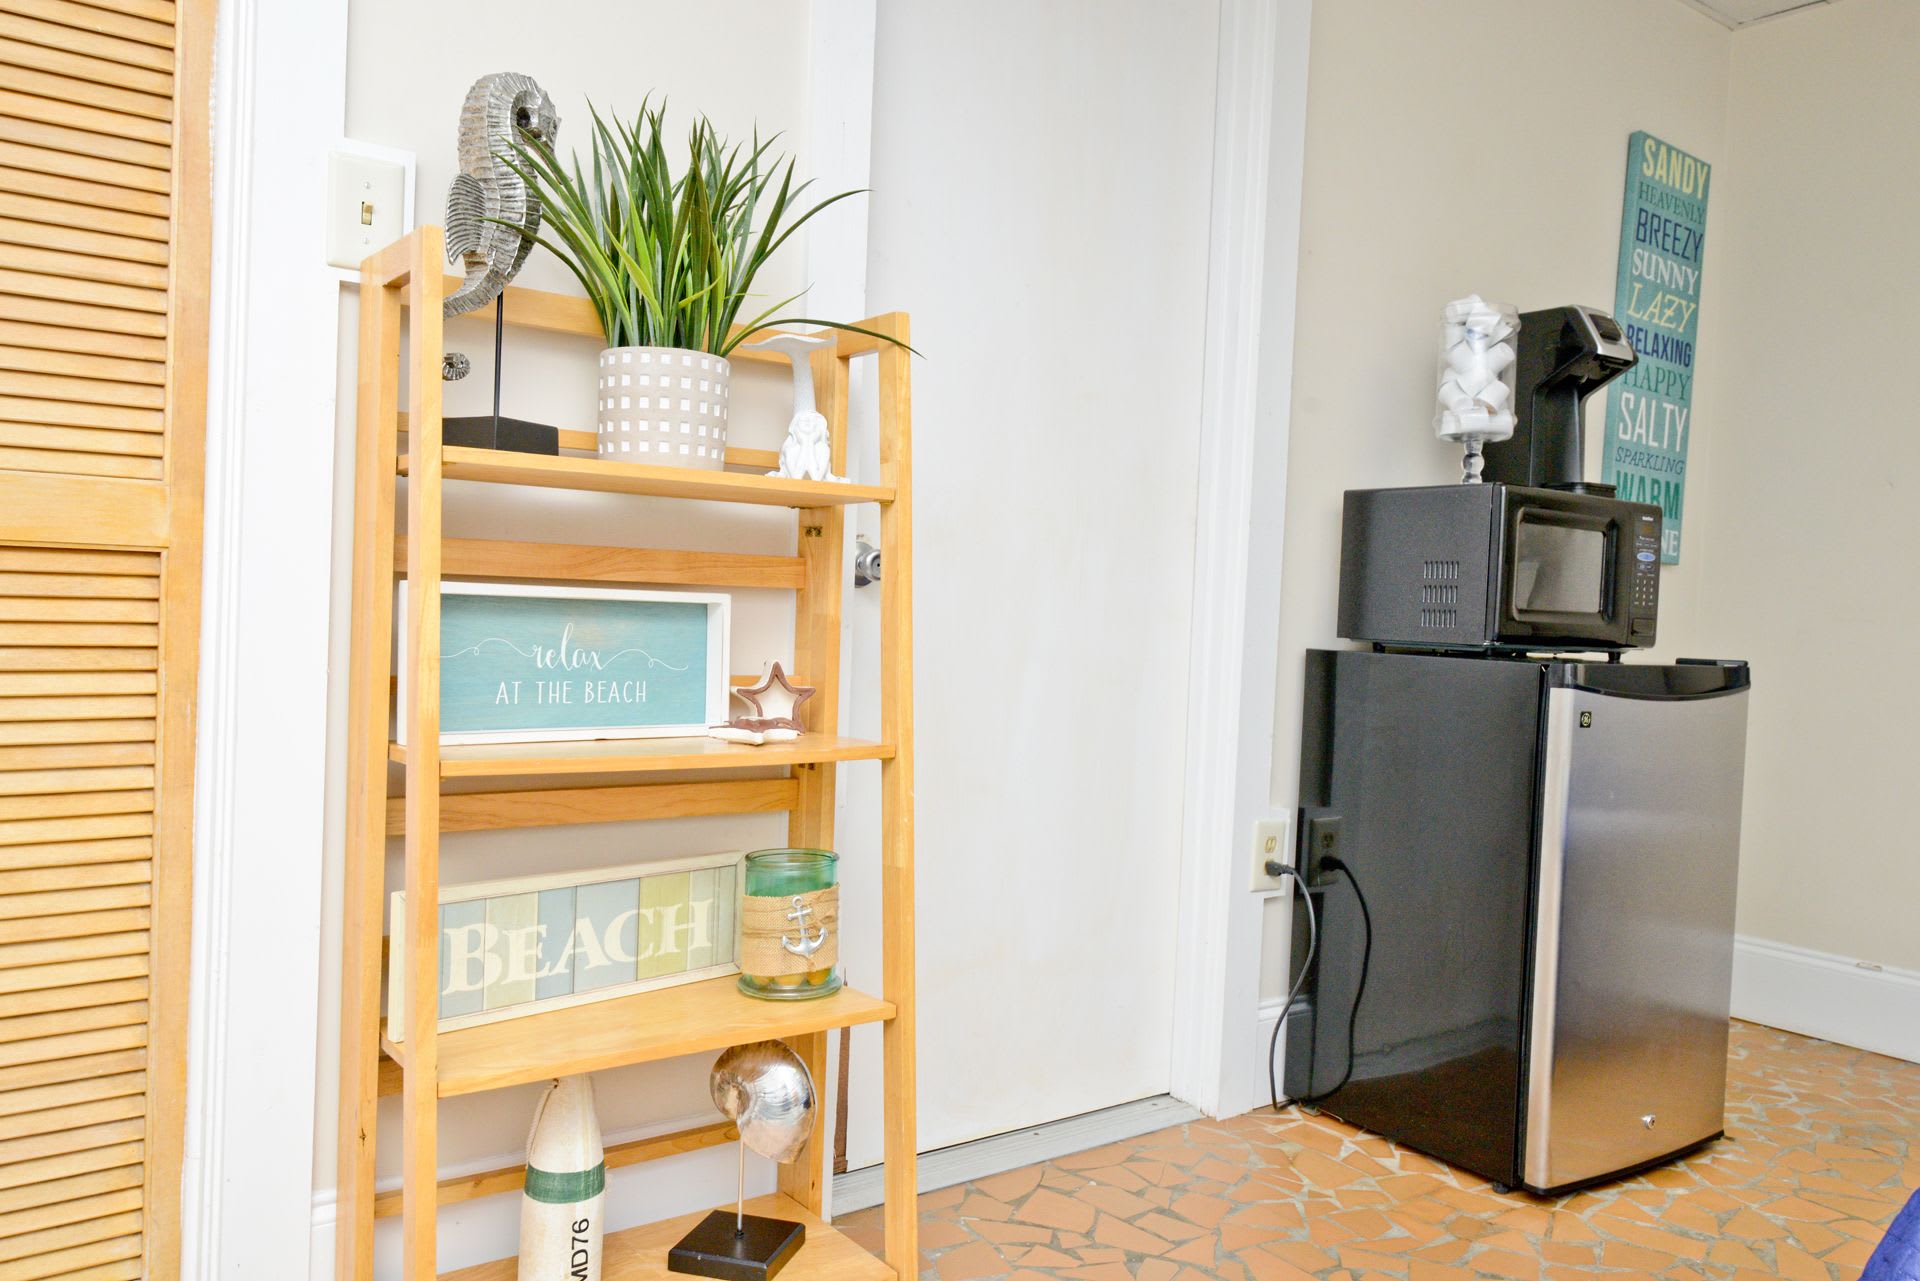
1565, 355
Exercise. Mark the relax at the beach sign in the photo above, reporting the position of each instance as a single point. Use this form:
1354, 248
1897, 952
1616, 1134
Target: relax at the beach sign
529, 664
524, 945
1663, 228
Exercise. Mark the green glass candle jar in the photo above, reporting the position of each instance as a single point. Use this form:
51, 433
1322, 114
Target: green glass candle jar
790, 925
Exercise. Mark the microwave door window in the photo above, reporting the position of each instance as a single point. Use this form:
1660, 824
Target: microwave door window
1558, 569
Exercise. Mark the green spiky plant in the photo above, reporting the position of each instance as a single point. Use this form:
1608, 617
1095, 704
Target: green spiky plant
669, 261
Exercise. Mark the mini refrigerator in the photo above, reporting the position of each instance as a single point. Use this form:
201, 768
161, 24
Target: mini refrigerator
1523, 870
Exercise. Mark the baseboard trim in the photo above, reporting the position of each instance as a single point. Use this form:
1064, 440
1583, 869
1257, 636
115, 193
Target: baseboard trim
1835, 998
859, 1189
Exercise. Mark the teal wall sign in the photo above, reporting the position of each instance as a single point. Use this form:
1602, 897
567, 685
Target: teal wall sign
1663, 231
532, 664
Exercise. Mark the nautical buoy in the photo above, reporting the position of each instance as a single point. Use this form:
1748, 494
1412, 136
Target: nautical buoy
561, 1224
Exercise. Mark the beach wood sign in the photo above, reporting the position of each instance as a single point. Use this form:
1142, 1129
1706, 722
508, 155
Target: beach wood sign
523, 945
521, 663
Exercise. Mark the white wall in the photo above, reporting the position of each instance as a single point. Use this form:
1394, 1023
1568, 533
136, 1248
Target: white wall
1810, 514
1041, 178
1477, 146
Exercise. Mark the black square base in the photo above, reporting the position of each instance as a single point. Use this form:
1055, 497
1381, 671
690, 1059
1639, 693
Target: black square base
517, 435
714, 1249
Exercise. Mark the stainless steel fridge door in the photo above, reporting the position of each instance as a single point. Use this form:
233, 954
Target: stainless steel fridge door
1633, 956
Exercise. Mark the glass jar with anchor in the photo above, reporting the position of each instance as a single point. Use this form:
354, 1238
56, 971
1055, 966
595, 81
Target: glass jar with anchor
790, 925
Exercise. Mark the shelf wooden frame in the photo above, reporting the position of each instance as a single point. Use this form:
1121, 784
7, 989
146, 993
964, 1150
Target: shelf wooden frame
493, 786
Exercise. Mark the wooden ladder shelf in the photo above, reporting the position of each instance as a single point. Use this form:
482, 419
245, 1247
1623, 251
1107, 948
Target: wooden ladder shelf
401, 292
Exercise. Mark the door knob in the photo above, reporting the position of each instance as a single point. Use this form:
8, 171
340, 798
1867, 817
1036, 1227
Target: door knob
866, 562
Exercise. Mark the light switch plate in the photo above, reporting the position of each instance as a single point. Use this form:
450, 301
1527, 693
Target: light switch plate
369, 201
1271, 839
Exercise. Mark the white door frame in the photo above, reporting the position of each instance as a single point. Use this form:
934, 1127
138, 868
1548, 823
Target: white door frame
1252, 262
279, 100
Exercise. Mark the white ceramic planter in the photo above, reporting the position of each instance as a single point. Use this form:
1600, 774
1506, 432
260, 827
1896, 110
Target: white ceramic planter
663, 405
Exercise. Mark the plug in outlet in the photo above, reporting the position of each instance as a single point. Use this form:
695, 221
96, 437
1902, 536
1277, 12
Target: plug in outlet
1271, 839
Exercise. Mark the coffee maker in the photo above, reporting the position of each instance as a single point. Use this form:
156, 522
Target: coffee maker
1565, 355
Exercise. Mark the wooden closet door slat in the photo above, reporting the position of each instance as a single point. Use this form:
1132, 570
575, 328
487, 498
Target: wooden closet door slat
104, 255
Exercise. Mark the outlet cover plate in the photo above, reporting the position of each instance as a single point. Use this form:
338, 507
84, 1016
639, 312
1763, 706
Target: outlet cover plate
1271, 839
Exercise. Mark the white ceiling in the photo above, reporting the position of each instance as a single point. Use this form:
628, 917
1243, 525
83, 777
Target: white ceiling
1740, 13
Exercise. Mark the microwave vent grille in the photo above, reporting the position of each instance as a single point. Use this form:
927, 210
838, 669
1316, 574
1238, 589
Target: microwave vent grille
1439, 619
1440, 594
1440, 571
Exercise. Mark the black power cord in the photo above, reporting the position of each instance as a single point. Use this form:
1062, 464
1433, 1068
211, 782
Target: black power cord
1276, 868
1333, 864
1330, 863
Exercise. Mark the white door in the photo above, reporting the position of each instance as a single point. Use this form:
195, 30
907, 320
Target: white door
1041, 179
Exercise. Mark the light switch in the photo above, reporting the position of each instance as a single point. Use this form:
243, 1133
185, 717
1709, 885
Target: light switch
366, 206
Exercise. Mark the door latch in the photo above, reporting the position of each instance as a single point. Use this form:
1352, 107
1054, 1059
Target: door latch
866, 562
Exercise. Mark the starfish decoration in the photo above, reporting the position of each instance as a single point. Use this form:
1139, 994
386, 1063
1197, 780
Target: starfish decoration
774, 703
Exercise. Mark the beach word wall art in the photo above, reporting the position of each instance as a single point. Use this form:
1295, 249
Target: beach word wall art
514, 947
540, 664
1663, 231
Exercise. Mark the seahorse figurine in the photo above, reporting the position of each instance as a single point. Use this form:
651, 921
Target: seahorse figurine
499, 111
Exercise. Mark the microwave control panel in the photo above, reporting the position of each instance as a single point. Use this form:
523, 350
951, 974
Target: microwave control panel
1644, 595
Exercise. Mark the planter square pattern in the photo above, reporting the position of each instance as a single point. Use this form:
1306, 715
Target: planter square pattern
663, 405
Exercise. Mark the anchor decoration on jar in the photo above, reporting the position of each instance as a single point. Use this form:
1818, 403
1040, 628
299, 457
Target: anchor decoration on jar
806, 946
790, 925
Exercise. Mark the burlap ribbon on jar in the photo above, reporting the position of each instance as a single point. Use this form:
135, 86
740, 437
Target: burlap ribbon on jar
772, 927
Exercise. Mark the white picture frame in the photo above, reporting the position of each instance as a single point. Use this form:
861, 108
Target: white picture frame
718, 683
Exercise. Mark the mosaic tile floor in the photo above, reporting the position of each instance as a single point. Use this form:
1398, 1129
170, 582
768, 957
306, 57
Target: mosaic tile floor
1822, 1147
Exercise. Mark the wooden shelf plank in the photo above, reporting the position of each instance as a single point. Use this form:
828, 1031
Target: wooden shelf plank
692, 1018
561, 806
640, 1254
559, 472
643, 755
513, 1177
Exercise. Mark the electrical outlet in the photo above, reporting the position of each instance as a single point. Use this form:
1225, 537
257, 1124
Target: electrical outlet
367, 205
1323, 842
1271, 839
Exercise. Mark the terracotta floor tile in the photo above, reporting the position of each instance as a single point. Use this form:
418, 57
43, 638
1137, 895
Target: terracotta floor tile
1505, 1263
1012, 1185
1659, 1239
1116, 1176
1122, 1235
1203, 1210
966, 1262
1265, 1267
1005, 1233
1363, 1260
1620, 1254
1098, 1272
1172, 1229
939, 1234
1423, 1270
1200, 1250
1051, 1210
1321, 1170
1822, 1143
984, 1207
1301, 1254
1045, 1256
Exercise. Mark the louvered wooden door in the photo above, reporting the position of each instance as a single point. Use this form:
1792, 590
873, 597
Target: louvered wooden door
103, 278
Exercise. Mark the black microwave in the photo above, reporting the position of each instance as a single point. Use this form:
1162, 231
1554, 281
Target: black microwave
1498, 567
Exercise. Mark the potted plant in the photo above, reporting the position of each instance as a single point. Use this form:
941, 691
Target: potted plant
668, 263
